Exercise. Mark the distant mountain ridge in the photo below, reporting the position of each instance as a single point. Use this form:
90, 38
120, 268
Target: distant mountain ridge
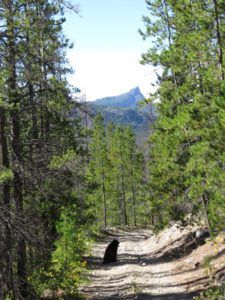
126, 100
124, 110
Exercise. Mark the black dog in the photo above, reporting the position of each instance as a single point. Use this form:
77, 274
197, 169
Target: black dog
111, 252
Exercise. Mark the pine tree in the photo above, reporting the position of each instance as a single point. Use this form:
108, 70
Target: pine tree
134, 164
98, 170
35, 109
191, 66
126, 176
115, 176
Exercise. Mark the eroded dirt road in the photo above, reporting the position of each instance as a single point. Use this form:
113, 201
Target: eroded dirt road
169, 265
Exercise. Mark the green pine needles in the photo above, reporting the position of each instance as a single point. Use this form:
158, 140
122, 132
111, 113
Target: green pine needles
116, 177
187, 156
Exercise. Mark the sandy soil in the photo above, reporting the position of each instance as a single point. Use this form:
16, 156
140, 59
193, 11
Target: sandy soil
170, 265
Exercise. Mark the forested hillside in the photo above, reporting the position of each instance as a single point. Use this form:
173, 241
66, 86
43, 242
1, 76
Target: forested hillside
63, 183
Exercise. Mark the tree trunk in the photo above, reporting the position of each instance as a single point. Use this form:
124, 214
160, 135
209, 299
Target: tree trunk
123, 200
169, 34
34, 112
204, 205
104, 201
219, 40
18, 197
6, 277
134, 206
31, 90
16, 150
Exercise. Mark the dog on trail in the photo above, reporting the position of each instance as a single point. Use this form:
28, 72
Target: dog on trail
111, 252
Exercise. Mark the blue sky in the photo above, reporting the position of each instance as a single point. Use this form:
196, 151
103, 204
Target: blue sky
108, 47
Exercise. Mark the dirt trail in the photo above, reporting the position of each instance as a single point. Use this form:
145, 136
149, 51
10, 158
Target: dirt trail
150, 266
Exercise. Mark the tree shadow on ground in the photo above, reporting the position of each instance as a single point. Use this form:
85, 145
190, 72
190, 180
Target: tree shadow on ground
183, 296
143, 296
173, 250
109, 289
167, 253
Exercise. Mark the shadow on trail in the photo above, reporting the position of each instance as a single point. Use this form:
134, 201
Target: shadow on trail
146, 296
107, 286
124, 235
150, 259
123, 238
183, 296
174, 250
140, 296
95, 262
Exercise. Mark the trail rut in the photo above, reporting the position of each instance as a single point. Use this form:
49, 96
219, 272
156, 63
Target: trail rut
149, 266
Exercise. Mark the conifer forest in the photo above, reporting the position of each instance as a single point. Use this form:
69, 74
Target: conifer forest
63, 181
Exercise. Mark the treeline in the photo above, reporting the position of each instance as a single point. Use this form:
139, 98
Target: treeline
187, 163
116, 177
41, 153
